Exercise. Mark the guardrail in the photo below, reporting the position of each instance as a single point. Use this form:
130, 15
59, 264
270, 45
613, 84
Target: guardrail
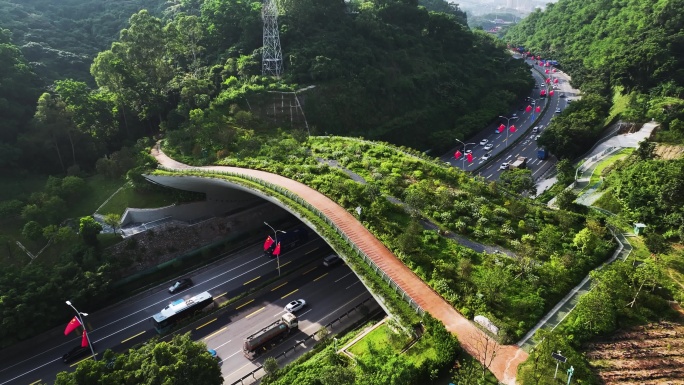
299, 343
289, 194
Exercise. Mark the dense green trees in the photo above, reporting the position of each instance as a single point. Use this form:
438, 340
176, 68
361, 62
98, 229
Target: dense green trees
652, 192
18, 94
61, 38
633, 47
179, 361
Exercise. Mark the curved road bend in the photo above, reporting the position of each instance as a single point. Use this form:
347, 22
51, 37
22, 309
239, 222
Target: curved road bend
507, 358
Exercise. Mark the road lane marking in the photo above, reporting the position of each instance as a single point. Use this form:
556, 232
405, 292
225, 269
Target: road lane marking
279, 286
342, 277
321, 276
240, 368
205, 324
353, 284
311, 251
36, 382
244, 304
254, 312
220, 295
225, 343
76, 363
310, 270
215, 333
283, 264
250, 281
290, 293
130, 338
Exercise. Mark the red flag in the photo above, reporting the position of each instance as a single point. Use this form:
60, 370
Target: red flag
538, 109
555, 80
457, 154
547, 71
554, 70
551, 93
512, 129
470, 158
72, 325
502, 128
276, 252
548, 80
528, 109
268, 243
84, 339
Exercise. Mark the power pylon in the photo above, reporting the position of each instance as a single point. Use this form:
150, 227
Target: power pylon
271, 56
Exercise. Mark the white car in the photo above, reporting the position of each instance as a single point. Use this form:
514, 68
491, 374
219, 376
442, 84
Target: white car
504, 166
486, 156
535, 129
295, 305
558, 110
537, 137
483, 142
488, 146
534, 102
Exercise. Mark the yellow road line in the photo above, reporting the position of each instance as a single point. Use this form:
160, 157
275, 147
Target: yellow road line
251, 314
76, 363
33, 383
220, 295
283, 264
251, 280
310, 270
250, 301
290, 293
320, 277
279, 286
311, 251
215, 333
203, 325
130, 338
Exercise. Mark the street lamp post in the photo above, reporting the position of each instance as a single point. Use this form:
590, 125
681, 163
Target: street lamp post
464, 151
508, 123
80, 319
275, 236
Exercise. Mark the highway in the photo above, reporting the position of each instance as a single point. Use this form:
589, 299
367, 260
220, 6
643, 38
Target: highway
329, 291
504, 147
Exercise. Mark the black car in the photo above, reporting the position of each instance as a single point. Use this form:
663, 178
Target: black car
181, 284
75, 353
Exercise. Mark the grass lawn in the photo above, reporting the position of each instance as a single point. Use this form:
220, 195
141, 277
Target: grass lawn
128, 197
99, 189
620, 103
380, 338
596, 175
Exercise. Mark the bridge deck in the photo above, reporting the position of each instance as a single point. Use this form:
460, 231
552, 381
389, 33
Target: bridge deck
507, 358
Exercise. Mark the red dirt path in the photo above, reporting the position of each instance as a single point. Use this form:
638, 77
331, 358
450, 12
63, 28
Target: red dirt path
507, 358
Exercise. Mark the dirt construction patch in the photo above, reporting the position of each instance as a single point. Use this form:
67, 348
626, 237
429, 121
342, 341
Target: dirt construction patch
669, 151
645, 355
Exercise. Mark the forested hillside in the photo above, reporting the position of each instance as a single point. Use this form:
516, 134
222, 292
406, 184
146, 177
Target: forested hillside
60, 38
611, 48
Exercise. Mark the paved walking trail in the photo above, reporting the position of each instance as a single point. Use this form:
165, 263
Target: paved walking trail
507, 359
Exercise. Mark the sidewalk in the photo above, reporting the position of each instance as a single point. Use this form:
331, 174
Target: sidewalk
604, 149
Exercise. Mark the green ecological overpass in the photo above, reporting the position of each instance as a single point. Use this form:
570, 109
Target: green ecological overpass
365, 255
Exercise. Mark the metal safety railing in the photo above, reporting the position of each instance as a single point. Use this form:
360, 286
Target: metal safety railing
289, 194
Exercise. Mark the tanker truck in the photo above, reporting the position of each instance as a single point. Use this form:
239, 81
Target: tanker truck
269, 336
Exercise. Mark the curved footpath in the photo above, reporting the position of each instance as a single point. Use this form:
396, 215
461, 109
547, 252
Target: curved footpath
506, 359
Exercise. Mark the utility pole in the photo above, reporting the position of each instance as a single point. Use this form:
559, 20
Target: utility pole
271, 55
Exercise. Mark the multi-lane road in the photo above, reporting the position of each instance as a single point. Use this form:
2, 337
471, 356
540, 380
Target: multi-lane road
329, 292
506, 146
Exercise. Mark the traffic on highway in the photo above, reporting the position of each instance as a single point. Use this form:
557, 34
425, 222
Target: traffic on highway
514, 136
329, 291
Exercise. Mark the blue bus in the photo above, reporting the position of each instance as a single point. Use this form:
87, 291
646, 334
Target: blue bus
179, 309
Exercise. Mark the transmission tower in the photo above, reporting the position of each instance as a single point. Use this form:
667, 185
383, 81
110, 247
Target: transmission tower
271, 56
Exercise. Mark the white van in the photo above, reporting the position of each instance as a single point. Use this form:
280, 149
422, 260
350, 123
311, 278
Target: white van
535, 129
